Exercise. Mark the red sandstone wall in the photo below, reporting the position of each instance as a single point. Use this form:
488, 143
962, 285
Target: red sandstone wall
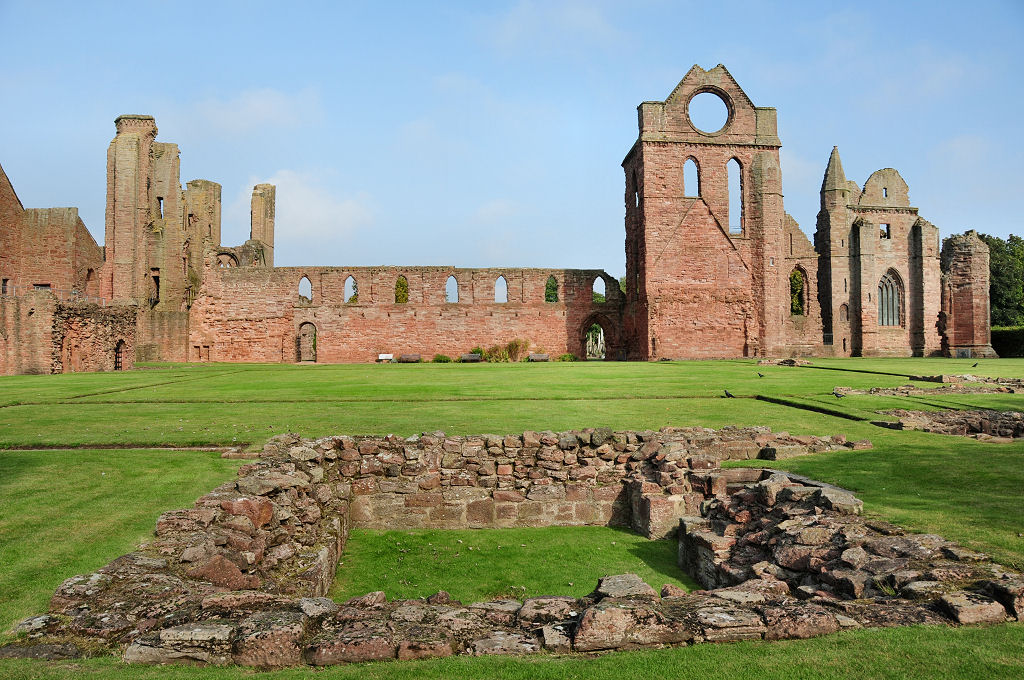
85, 337
26, 340
254, 314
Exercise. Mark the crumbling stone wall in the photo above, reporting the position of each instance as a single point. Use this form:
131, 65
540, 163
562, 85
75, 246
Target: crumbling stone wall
966, 319
86, 337
239, 577
255, 314
40, 334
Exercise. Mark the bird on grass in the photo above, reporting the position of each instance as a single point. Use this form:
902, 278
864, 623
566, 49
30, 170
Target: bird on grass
974, 365
838, 395
760, 374
730, 395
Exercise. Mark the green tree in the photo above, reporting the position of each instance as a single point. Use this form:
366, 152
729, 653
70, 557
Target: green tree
551, 290
796, 292
401, 290
1006, 279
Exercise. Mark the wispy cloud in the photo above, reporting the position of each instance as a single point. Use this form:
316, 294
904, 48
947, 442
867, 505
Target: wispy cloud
553, 27
247, 112
309, 214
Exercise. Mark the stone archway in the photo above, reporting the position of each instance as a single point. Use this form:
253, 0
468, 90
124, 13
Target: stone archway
305, 342
601, 343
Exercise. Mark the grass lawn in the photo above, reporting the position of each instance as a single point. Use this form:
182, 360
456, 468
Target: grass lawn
479, 565
69, 511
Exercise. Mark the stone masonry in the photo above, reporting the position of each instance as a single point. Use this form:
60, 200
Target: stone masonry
240, 577
704, 278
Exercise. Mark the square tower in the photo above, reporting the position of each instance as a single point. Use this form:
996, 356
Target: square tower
703, 277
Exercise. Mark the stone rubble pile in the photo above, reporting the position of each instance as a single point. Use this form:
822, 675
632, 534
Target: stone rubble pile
240, 577
807, 541
984, 424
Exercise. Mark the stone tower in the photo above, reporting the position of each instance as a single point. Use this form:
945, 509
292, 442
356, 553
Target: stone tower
965, 297
878, 267
696, 286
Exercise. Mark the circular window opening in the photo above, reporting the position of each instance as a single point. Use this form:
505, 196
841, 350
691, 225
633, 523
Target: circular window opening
708, 112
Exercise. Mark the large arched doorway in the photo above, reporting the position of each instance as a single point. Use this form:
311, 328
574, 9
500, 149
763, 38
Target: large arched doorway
306, 342
599, 339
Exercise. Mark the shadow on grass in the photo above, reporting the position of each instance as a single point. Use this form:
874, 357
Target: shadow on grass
660, 557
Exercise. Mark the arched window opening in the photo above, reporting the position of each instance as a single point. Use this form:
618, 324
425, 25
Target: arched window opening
451, 290
885, 192
889, 300
598, 289
735, 196
351, 290
844, 312
551, 289
797, 293
119, 355
306, 342
691, 178
594, 342
305, 291
500, 289
401, 290
226, 260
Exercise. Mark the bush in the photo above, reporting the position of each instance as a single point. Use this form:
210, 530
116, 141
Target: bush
517, 349
480, 351
568, 356
442, 359
1008, 341
496, 354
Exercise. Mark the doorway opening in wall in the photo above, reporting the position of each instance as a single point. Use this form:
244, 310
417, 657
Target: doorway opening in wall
306, 342
595, 344
119, 355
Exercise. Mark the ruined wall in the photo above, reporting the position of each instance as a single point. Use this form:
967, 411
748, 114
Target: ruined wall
699, 288
862, 236
803, 333
87, 337
965, 297
26, 328
255, 314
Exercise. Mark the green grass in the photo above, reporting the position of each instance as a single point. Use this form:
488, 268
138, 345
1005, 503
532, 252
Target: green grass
60, 515
479, 565
70, 512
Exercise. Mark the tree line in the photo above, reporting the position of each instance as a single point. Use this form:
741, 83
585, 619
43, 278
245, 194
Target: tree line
1006, 279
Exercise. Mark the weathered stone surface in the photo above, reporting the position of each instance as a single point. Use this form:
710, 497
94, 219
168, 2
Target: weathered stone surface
221, 571
624, 585
797, 621
1010, 592
969, 608
614, 623
271, 639
503, 642
538, 610
351, 645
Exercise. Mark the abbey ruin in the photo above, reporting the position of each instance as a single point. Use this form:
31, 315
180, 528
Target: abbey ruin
703, 279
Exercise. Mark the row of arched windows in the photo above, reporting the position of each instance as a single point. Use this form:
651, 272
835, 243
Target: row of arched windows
451, 290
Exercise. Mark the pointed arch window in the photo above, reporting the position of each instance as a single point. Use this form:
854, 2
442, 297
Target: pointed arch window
735, 174
500, 289
890, 300
691, 178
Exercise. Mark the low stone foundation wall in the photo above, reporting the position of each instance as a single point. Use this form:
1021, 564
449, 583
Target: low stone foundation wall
984, 424
240, 577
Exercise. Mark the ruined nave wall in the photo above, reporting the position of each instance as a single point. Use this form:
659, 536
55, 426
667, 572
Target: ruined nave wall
257, 314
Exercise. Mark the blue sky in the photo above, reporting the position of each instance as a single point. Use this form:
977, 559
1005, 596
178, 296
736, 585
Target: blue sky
491, 133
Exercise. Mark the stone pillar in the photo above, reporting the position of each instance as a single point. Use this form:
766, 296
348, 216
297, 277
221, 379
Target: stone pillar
264, 197
965, 270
